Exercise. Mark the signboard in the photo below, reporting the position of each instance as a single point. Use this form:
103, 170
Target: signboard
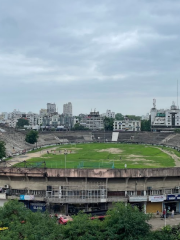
26, 197
38, 207
159, 198
138, 199
178, 197
171, 197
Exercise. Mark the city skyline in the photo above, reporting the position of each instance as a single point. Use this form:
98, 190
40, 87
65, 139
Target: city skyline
105, 55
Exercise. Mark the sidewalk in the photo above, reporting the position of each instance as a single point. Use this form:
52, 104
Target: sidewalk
158, 223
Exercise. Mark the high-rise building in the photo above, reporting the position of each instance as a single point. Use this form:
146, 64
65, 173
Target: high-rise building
51, 107
67, 109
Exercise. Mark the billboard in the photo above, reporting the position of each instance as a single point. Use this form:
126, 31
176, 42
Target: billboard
26, 197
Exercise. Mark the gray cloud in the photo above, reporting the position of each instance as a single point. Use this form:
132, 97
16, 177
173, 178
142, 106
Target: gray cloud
97, 54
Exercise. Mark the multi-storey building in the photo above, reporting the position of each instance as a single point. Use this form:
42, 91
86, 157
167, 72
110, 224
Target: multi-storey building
93, 121
165, 119
108, 114
127, 125
70, 190
67, 109
51, 108
58, 120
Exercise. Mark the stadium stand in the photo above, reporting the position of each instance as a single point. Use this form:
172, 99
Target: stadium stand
15, 139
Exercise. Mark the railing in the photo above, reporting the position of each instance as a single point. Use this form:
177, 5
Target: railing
75, 200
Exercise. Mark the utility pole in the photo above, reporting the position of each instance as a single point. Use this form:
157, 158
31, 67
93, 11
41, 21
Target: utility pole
65, 159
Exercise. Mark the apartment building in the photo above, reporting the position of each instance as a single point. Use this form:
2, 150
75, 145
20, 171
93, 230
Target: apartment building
67, 109
93, 121
108, 114
51, 108
127, 125
165, 119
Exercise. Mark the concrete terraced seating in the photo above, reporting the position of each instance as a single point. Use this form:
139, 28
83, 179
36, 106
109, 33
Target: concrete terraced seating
174, 141
142, 137
102, 136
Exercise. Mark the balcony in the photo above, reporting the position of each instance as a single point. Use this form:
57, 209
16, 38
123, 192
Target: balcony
74, 200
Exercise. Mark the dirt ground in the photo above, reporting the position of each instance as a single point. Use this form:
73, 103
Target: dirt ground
111, 150
174, 156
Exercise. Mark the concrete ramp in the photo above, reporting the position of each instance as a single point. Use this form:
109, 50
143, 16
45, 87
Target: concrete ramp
115, 136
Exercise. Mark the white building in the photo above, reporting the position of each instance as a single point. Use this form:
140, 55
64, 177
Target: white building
108, 114
67, 109
127, 125
51, 108
162, 119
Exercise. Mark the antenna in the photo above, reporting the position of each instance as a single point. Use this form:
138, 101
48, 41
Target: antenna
154, 103
177, 95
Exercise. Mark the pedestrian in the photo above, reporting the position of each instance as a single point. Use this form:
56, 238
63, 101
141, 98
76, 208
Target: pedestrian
157, 212
172, 213
164, 213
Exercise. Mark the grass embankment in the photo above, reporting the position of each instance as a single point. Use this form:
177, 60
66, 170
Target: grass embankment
103, 155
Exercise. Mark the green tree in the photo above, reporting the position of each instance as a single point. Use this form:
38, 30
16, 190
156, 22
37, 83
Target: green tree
119, 116
21, 122
133, 117
145, 125
82, 228
126, 223
108, 124
23, 224
2, 150
32, 137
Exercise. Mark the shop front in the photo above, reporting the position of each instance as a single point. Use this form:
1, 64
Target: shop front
33, 205
172, 203
90, 207
155, 204
138, 201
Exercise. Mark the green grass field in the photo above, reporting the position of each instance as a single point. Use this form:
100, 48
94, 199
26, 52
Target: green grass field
103, 155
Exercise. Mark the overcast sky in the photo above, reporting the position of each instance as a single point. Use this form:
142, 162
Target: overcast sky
108, 54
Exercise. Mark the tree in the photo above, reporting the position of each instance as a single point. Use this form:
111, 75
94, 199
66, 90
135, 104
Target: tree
126, 223
133, 117
2, 150
32, 137
21, 122
145, 125
177, 130
23, 224
119, 116
108, 124
83, 228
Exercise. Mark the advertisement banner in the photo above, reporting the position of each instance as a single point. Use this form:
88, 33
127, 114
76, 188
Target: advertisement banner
26, 197
159, 198
138, 199
38, 207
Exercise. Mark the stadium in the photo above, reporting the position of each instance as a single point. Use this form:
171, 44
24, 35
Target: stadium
89, 171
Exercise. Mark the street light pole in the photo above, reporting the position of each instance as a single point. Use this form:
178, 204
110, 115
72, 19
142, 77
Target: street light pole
65, 159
